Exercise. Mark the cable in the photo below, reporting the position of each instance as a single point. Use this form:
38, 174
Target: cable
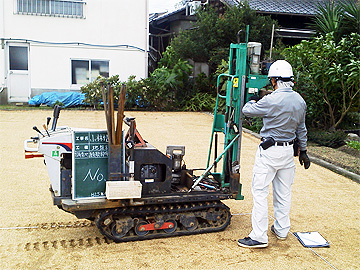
77, 43
323, 258
243, 214
312, 250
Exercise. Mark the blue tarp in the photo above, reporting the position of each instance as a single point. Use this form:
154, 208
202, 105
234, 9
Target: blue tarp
67, 98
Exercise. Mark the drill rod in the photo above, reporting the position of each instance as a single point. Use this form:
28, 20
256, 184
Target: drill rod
216, 161
111, 114
120, 115
105, 109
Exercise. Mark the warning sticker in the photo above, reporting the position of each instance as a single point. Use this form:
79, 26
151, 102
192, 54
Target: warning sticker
236, 82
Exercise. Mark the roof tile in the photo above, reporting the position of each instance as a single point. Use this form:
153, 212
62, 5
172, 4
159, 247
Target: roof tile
298, 7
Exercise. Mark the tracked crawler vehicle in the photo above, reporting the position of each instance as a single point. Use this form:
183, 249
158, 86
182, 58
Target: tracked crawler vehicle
133, 191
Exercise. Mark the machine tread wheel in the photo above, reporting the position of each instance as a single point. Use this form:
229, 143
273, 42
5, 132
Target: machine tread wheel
173, 229
137, 228
210, 217
115, 233
193, 226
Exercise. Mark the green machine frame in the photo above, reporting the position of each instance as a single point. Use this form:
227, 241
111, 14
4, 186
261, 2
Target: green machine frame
229, 119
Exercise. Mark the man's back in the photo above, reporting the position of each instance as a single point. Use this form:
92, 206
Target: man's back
283, 114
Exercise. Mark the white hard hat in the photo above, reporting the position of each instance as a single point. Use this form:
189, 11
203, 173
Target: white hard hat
280, 69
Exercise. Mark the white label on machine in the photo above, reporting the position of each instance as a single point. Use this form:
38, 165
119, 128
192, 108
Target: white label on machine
123, 190
253, 90
149, 180
131, 166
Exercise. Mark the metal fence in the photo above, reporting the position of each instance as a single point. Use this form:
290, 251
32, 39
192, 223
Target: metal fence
61, 8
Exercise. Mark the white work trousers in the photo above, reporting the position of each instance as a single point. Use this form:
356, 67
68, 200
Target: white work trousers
276, 165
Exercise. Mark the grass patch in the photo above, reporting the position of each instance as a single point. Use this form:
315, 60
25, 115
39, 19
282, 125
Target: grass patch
354, 144
13, 107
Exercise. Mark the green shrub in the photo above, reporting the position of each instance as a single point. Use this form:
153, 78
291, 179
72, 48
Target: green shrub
168, 87
351, 121
93, 93
59, 103
332, 139
254, 124
200, 102
204, 84
354, 144
135, 94
327, 75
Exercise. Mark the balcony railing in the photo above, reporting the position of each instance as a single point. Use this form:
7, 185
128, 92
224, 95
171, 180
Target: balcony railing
58, 8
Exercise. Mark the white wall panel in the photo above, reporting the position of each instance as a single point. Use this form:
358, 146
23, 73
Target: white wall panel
106, 23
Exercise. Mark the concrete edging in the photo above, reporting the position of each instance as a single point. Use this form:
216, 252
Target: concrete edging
320, 162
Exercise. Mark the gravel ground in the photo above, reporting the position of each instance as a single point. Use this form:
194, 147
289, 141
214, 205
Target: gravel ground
37, 235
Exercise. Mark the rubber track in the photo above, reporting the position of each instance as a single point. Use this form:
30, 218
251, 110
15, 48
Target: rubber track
166, 209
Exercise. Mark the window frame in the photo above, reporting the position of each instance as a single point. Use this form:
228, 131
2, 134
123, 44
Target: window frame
90, 69
18, 46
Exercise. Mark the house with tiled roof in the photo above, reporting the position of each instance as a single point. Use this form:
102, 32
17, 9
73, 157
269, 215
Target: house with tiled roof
293, 17
290, 7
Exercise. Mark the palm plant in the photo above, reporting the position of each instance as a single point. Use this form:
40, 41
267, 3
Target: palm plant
328, 19
351, 16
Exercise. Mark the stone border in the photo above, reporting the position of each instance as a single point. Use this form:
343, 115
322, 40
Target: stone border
353, 176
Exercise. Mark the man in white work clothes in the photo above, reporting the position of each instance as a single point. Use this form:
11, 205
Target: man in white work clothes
283, 113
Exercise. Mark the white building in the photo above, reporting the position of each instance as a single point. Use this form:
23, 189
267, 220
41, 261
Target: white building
60, 45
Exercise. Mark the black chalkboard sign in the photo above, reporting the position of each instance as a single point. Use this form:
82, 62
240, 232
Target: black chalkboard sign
90, 164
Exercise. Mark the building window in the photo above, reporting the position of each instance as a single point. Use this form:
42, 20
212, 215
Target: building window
18, 57
59, 8
85, 71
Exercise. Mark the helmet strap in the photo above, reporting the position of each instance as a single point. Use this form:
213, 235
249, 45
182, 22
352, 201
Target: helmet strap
274, 86
287, 79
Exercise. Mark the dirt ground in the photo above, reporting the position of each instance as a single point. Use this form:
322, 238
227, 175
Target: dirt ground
345, 157
34, 234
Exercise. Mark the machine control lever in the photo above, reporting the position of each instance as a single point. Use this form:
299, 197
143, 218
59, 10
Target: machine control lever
37, 130
57, 109
48, 122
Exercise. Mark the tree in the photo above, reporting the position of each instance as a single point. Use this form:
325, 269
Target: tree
328, 74
328, 66
209, 39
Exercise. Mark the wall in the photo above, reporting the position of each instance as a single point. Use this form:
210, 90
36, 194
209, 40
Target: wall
106, 24
2, 51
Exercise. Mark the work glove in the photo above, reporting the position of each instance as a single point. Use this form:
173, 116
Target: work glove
254, 97
304, 159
